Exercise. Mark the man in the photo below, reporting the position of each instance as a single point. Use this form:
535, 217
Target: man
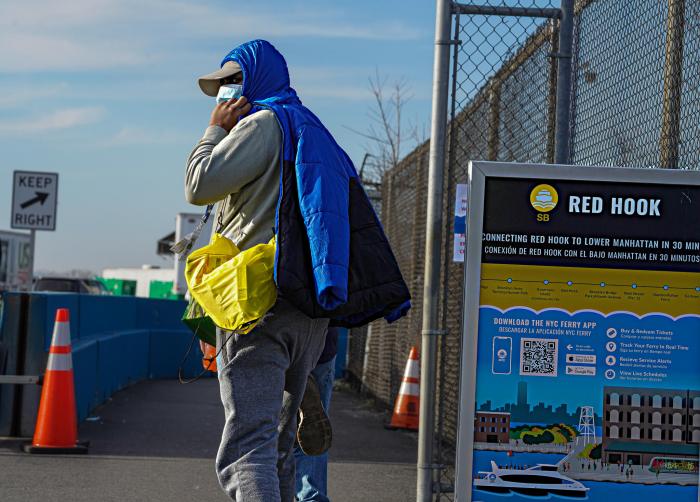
264, 374
276, 169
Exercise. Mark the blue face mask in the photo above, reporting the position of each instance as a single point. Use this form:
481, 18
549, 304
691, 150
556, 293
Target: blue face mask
229, 91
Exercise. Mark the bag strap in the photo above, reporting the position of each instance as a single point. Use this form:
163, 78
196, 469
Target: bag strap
183, 247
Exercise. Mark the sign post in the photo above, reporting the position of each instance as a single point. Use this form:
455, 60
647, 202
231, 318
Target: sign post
34, 202
581, 334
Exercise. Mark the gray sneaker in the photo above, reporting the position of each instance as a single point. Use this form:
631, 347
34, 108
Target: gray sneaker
314, 433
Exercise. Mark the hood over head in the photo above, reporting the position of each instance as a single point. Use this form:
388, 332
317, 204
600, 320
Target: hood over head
265, 73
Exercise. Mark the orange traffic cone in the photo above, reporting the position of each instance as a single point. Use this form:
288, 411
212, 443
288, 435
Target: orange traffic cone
57, 422
407, 403
209, 357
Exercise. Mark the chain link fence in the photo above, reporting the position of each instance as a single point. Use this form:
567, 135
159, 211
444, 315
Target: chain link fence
378, 353
635, 102
503, 108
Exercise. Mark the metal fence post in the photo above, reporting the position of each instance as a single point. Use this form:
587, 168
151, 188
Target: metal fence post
433, 244
494, 119
552, 94
673, 81
563, 123
20, 360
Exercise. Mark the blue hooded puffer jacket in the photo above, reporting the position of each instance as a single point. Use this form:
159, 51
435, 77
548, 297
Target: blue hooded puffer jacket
333, 259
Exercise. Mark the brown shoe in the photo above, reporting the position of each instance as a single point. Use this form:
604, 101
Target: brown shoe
314, 433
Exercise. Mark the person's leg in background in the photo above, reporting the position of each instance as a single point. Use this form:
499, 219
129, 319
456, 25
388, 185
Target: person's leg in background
295, 394
312, 472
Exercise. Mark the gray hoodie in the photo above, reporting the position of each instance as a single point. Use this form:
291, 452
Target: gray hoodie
241, 171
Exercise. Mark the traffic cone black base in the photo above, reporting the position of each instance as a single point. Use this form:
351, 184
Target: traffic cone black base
79, 449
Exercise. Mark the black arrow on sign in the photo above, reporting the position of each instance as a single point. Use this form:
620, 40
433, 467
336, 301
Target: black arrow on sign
40, 197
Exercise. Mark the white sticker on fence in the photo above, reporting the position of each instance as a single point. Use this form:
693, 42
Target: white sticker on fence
460, 223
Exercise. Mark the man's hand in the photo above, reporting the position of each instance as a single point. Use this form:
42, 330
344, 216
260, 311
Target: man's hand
227, 114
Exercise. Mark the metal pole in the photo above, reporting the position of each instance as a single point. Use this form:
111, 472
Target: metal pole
433, 242
365, 359
488, 10
552, 92
494, 119
673, 82
19, 379
32, 247
23, 333
566, 42
364, 161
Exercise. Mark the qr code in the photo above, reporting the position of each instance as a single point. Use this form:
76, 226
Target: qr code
538, 357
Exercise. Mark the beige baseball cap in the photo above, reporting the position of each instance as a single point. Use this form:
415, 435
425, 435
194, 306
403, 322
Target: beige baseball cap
210, 83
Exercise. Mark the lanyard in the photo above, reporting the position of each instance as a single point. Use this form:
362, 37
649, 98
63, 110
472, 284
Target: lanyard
183, 247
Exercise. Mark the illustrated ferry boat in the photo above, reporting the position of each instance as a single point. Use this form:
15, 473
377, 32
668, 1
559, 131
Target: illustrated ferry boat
543, 200
538, 481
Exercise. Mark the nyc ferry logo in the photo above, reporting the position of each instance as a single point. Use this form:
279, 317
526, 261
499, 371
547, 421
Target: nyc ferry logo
544, 198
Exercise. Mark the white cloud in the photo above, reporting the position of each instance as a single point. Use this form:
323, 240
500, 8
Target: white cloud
35, 52
65, 118
280, 26
13, 96
344, 83
130, 135
100, 34
48, 14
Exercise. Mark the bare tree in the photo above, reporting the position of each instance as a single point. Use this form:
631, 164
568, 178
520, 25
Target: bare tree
387, 134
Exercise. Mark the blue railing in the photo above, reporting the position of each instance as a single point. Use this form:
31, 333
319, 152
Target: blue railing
116, 341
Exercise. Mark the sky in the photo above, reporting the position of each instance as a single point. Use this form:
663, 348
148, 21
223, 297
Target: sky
104, 93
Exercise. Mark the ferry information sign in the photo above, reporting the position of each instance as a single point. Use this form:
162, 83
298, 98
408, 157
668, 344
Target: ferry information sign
582, 334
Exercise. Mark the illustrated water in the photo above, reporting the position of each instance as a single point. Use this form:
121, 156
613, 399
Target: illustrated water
599, 491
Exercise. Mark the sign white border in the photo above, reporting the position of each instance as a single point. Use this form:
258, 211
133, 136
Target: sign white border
55, 202
477, 173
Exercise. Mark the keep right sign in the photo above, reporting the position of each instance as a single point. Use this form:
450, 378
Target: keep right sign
34, 200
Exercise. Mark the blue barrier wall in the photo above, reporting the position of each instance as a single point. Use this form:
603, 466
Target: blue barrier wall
116, 341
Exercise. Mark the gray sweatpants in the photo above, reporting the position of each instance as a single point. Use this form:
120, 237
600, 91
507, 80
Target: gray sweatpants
262, 378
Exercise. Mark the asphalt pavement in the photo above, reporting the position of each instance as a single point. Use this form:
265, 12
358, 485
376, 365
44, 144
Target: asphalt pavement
157, 440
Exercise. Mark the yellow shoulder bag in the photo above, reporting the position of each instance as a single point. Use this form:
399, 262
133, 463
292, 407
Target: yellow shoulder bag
235, 288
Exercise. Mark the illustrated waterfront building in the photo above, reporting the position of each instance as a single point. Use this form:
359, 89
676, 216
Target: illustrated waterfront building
492, 427
643, 426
